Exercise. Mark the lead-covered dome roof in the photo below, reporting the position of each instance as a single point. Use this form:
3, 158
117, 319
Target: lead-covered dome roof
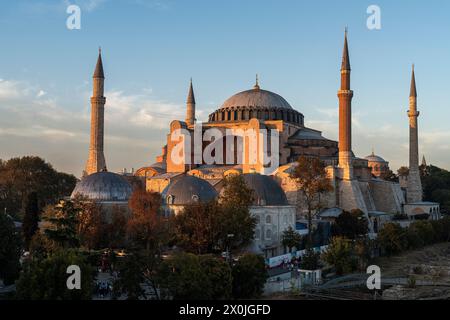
103, 186
188, 190
266, 191
256, 103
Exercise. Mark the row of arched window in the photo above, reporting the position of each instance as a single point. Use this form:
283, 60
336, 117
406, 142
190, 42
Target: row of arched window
247, 114
267, 235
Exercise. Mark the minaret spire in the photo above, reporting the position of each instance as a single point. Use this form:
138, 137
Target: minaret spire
345, 95
345, 55
96, 161
413, 90
414, 189
190, 106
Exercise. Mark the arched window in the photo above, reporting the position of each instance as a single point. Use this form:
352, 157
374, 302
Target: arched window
169, 199
268, 234
285, 219
257, 219
257, 234
195, 198
268, 219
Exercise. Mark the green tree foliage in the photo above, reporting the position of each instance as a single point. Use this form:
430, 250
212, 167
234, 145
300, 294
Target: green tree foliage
47, 279
436, 186
20, 176
340, 254
186, 276
312, 181
291, 239
10, 249
351, 225
131, 278
249, 277
62, 222
310, 260
392, 238
30, 218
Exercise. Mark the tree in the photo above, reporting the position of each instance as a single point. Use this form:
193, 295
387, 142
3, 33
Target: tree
392, 238
196, 228
424, 231
20, 176
46, 279
291, 239
30, 218
91, 225
312, 181
403, 172
62, 222
41, 247
216, 226
249, 277
115, 231
389, 176
186, 276
310, 260
234, 215
131, 279
10, 250
351, 225
340, 255
147, 227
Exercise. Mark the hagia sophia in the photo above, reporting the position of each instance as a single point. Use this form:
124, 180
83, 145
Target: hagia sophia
358, 183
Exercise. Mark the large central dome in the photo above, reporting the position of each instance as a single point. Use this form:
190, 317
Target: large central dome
256, 103
256, 98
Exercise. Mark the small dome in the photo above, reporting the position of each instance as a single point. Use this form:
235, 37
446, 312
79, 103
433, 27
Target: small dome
188, 190
103, 186
266, 191
375, 158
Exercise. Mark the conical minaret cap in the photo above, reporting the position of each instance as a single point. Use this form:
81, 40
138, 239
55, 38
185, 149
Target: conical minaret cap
413, 90
191, 96
98, 73
345, 55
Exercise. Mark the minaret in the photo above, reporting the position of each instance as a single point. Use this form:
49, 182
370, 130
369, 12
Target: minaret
96, 161
345, 95
414, 189
424, 161
190, 106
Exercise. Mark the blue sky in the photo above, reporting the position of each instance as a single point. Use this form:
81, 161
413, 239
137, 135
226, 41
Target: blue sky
151, 49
